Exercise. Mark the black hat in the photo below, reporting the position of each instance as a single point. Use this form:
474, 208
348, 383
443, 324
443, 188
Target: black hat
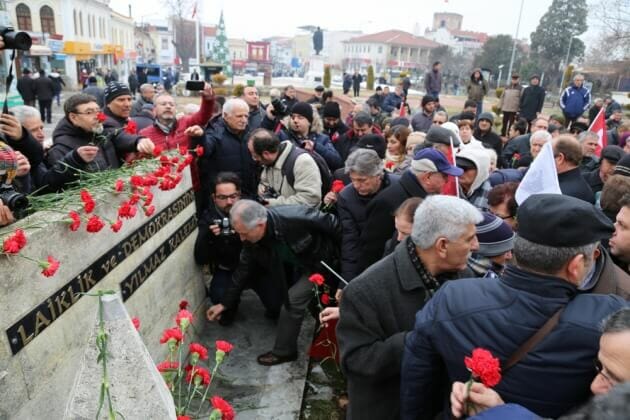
319, 88
427, 99
331, 110
115, 89
26, 71
561, 221
379, 88
373, 142
612, 154
303, 109
467, 116
534, 76
578, 127
400, 121
442, 135
623, 166
465, 163
487, 116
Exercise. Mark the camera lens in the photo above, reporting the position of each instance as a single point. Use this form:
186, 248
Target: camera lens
23, 41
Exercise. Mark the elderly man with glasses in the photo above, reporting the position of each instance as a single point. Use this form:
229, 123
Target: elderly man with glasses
80, 143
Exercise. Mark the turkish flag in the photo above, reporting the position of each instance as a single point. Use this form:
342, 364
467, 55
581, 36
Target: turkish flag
598, 126
452, 185
403, 109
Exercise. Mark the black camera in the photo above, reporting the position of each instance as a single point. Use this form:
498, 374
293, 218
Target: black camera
279, 108
15, 201
15, 40
224, 224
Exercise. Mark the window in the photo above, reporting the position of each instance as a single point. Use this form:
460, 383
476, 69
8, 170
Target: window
93, 26
394, 51
89, 25
81, 23
24, 17
164, 44
380, 49
47, 18
74, 16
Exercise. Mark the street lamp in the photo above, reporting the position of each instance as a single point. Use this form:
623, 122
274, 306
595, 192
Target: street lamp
500, 71
518, 25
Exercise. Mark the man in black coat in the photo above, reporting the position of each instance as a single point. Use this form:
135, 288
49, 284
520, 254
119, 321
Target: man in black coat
532, 99
26, 87
596, 178
44, 91
568, 155
297, 236
356, 83
428, 174
362, 125
333, 126
378, 307
520, 145
483, 132
132, 81
554, 252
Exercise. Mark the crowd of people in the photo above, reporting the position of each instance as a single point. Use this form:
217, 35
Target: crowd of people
416, 212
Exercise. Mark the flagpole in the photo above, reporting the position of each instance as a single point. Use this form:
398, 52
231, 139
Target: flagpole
454, 164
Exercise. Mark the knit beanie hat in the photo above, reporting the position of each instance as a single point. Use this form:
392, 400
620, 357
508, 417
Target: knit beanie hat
623, 166
8, 163
495, 236
303, 109
114, 90
487, 116
331, 110
373, 142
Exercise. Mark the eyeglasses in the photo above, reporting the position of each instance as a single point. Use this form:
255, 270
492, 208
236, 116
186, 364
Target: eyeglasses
226, 197
88, 112
599, 367
438, 122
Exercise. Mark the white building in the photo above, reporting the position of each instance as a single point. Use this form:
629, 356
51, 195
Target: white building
447, 30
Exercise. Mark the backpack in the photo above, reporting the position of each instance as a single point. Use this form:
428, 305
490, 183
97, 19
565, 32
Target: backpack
324, 172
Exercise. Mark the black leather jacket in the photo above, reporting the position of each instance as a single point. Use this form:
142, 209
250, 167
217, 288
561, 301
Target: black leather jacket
310, 235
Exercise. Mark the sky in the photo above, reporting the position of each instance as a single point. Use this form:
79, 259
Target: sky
254, 20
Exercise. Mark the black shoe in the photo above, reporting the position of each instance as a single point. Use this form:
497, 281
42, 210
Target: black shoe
271, 359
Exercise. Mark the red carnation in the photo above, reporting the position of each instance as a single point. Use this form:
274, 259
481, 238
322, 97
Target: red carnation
172, 334
337, 186
389, 165
134, 199
126, 210
50, 267
325, 299
188, 159
183, 150
149, 211
88, 206
157, 150
164, 160
76, 221
183, 304
199, 349
184, 317
101, 117
117, 225
86, 196
131, 127
150, 180
484, 366
201, 375
226, 410
224, 346
174, 160
148, 198
136, 322
199, 150
136, 180
119, 185
183, 418
166, 366
10, 246
20, 238
94, 224
317, 279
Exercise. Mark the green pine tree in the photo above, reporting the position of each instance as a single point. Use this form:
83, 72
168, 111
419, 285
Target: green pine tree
220, 50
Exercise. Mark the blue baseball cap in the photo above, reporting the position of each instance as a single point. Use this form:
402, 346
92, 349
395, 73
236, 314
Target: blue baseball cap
432, 160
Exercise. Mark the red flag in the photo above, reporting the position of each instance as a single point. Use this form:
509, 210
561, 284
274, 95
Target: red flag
452, 185
403, 109
598, 126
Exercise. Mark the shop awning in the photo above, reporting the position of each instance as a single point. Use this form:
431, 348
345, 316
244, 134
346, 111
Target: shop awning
39, 50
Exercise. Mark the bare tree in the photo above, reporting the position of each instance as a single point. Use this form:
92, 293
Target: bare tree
180, 11
613, 18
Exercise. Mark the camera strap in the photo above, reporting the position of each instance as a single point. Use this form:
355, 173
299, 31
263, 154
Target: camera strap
9, 80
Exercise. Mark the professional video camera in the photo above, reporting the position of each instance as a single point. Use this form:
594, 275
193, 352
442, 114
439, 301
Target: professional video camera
279, 109
224, 224
15, 40
15, 201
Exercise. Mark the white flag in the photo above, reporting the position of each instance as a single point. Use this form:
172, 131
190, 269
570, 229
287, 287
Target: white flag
541, 178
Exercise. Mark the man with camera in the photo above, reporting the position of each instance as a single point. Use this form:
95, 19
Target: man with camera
296, 236
217, 245
275, 188
14, 181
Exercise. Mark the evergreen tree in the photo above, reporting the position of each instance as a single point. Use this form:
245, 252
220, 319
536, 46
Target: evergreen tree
565, 19
220, 50
496, 51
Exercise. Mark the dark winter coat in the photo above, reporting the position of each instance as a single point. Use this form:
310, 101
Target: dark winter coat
310, 235
97, 92
336, 132
144, 119
63, 157
532, 101
391, 102
612, 280
433, 82
221, 250
256, 116
44, 88
593, 180
593, 111
575, 101
378, 310
352, 209
421, 121
519, 144
573, 184
323, 146
132, 80
26, 87
589, 164
136, 108
380, 216
224, 150
477, 89
550, 380
346, 143
612, 107
493, 141
28, 146
57, 82
356, 81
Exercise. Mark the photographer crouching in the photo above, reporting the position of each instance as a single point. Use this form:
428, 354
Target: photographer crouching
13, 204
217, 244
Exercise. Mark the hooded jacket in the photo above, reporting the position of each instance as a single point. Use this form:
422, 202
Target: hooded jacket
477, 194
477, 89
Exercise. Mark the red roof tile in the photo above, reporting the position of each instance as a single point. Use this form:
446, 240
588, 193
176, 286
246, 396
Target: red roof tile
395, 37
478, 36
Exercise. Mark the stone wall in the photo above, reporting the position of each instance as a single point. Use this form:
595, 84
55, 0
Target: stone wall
51, 322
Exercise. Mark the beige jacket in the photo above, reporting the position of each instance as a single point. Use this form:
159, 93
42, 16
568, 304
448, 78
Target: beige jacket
510, 99
308, 182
